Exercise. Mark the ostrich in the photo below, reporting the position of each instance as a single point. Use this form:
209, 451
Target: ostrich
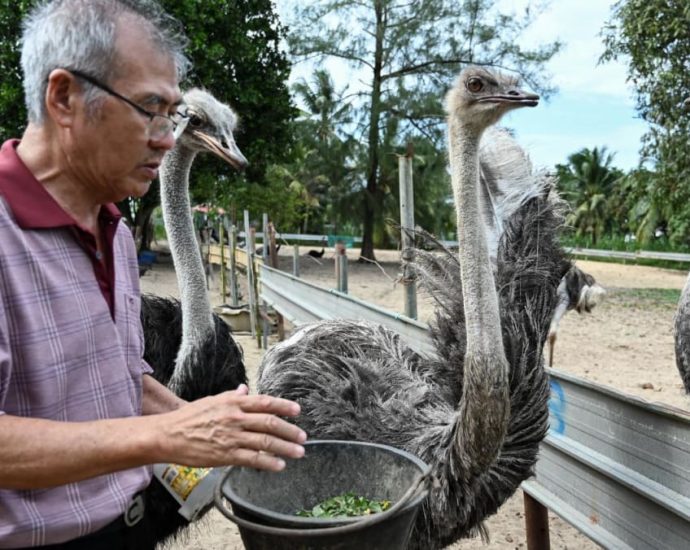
477, 412
579, 291
190, 349
681, 335
318, 253
681, 328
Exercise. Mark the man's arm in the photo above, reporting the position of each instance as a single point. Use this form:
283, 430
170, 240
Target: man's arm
158, 398
229, 428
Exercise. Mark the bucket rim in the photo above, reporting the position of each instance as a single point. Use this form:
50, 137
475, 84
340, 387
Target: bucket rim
321, 523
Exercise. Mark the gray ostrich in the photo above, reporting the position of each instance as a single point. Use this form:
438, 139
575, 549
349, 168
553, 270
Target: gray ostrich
577, 291
477, 411
681, 324
190, 349
681, 335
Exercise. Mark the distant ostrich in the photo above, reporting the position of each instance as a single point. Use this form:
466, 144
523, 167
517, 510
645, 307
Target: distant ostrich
477, 412
190, 349
681, 329
318, 253
681, 334
577, 291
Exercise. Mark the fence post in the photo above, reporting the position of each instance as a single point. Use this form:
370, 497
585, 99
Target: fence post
407, 225
249, 243
536, 524
234, 298
341, 266
273, 253
295, 260
264, 240
223, 279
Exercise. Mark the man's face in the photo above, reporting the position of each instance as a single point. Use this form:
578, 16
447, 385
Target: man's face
112, 152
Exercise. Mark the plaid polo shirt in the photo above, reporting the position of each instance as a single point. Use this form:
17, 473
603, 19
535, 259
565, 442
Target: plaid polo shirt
71, 347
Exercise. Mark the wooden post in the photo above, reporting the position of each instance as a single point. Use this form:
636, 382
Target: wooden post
249, 243
264, 240
341, 266
273, 253
223, 281
536, 524
234, 298
407, 224
295, 260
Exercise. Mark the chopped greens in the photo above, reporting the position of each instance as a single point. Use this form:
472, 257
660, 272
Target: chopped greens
345, 505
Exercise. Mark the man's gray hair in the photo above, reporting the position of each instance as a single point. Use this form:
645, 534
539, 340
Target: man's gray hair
80, 35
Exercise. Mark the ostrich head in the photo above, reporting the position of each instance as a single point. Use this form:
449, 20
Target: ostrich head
480, 97
207, 125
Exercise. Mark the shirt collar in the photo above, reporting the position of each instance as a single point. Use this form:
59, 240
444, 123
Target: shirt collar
33, 207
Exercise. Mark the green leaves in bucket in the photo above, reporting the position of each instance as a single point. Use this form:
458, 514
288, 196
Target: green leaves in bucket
347, 505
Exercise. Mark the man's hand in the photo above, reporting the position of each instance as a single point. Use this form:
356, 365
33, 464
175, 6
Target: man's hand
232, 428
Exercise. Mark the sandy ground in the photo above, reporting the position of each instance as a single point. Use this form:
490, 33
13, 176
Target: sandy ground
626, 343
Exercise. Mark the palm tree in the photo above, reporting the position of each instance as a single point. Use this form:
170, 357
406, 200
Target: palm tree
587, 182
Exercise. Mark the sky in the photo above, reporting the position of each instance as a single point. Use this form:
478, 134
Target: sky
593, 107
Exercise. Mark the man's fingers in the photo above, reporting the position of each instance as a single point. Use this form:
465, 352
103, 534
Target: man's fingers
258, 460
268, 404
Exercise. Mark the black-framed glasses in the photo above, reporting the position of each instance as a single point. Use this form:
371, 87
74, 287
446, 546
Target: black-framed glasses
158, 126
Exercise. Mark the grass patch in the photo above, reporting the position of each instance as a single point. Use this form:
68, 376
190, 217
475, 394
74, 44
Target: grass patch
644, 297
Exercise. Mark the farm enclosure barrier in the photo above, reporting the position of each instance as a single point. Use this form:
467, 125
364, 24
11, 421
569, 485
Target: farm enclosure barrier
615, 467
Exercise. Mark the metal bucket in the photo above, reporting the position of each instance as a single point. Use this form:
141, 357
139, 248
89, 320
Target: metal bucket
265, 504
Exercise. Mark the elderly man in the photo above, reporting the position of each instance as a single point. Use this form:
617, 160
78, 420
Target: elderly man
81, 419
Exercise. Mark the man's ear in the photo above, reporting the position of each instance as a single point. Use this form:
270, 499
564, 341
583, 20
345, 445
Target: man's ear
61, 97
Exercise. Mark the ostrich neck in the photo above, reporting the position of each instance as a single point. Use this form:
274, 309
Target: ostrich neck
484, 408
197, 322
482, 319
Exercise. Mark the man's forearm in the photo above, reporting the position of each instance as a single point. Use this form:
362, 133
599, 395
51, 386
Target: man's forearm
37, 453
158, 398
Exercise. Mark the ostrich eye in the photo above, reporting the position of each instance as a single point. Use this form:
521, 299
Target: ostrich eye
195, 120
475, 84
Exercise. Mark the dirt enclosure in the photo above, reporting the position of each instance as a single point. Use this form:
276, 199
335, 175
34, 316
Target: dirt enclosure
625, 343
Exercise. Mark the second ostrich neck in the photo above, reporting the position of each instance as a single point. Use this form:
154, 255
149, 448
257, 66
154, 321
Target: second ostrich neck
482, 319
197, 321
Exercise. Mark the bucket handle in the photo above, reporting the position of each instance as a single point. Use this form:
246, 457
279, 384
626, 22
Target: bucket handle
422, 479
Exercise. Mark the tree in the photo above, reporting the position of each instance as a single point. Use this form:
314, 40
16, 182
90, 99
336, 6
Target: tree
408, 53
236, 54
653, 37
587, 183
325, 173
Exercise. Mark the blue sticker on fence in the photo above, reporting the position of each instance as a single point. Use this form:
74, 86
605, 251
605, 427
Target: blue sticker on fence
557, 408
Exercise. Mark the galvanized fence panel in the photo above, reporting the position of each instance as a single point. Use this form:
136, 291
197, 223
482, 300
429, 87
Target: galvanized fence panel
302, 302
614, 466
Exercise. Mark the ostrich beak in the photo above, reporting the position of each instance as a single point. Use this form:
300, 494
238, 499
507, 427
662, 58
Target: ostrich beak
514, 97
226, 149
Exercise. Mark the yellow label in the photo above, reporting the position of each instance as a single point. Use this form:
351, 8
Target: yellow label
183, 479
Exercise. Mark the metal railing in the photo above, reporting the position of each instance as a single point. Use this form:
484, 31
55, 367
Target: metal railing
614, 466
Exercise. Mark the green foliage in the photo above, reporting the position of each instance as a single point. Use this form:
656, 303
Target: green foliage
407, 54
235, 49
654, 37
346, 505
12, 108
587, 183
322, 170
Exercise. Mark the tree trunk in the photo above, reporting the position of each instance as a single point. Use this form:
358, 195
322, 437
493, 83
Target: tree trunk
370, 206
